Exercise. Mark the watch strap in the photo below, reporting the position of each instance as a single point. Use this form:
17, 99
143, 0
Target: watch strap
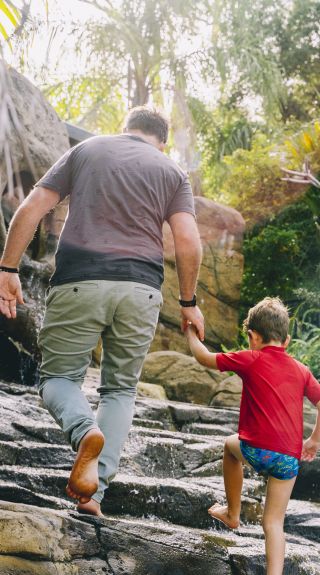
188, 303
9, 270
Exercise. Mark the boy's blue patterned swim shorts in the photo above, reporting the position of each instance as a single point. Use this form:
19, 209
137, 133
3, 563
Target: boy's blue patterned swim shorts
266, 462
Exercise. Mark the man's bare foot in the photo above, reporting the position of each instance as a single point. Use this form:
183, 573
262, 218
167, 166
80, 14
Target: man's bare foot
92, 508
220, 512
84, 479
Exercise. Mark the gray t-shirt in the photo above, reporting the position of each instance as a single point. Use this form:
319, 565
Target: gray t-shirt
121, 191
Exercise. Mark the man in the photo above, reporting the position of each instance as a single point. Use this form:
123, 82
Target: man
109, 271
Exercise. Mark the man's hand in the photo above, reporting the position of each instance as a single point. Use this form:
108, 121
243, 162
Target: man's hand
309, 449
21, 231
193, 315
10, 294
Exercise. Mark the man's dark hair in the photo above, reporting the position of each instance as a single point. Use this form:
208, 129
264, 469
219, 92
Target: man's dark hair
149, 121
270, 319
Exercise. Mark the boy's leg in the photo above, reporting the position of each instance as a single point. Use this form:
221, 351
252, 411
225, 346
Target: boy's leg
277, 498
233, 478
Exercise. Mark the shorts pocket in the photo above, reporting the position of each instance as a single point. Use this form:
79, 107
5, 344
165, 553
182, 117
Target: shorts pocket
150, 294
70, 290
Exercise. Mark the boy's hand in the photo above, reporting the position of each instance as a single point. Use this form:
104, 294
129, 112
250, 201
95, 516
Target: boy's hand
193, 315
191, 331
309, 449
198, 350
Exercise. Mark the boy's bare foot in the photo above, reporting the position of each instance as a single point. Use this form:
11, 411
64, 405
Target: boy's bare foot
84, 479
220, 512
92, 508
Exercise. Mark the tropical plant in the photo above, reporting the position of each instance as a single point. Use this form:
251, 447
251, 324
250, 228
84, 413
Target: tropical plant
305, 342
281, 256
92, 102
10, 18
253, 181
136, 40
305, 144
270, 51
220, 132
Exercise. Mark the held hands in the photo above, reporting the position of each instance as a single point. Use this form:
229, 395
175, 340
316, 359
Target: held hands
193, 315
309, 449
10, 294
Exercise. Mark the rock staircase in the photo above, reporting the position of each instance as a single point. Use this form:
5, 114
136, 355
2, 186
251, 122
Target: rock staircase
156, 520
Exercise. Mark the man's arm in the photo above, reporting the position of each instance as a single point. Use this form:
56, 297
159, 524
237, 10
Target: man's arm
312, 444
188, 253
21, 231
199, 351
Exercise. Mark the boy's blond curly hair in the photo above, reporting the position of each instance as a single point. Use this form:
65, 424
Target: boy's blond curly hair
270, 318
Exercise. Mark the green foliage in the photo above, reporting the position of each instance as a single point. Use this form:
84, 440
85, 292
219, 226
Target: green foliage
270, 50
252, 182
271, 258
10, 17
305, 144
281, 256
90, 102
242, 36
136, 39
305, 332
220, 132
298, 43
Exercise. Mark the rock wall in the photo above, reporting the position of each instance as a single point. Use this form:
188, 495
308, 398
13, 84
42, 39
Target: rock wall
182, 378
221, 230
35, 139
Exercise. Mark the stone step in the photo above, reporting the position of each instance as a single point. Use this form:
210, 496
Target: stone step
11, 491
171, 468
149, 423
47, 542
182, 502
207, 429
188, 413
32, 454
307, 485
303, 518
167, 455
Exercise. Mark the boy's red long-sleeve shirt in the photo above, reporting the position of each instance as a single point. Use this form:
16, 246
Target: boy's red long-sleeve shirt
274, 385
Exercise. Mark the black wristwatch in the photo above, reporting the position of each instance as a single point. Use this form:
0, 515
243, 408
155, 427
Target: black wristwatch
9, 270
188, 303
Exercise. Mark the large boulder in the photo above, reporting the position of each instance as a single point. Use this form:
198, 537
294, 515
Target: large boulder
181, 376
221, 230
228, 392
35, 139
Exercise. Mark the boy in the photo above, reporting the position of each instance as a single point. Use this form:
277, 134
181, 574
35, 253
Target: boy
271, 420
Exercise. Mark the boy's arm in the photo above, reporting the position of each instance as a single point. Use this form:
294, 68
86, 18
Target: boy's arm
312, 444
198, 350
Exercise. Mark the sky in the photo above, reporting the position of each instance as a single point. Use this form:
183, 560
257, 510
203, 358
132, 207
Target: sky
56, 27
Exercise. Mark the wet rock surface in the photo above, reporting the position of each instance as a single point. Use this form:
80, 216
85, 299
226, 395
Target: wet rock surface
156, 520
